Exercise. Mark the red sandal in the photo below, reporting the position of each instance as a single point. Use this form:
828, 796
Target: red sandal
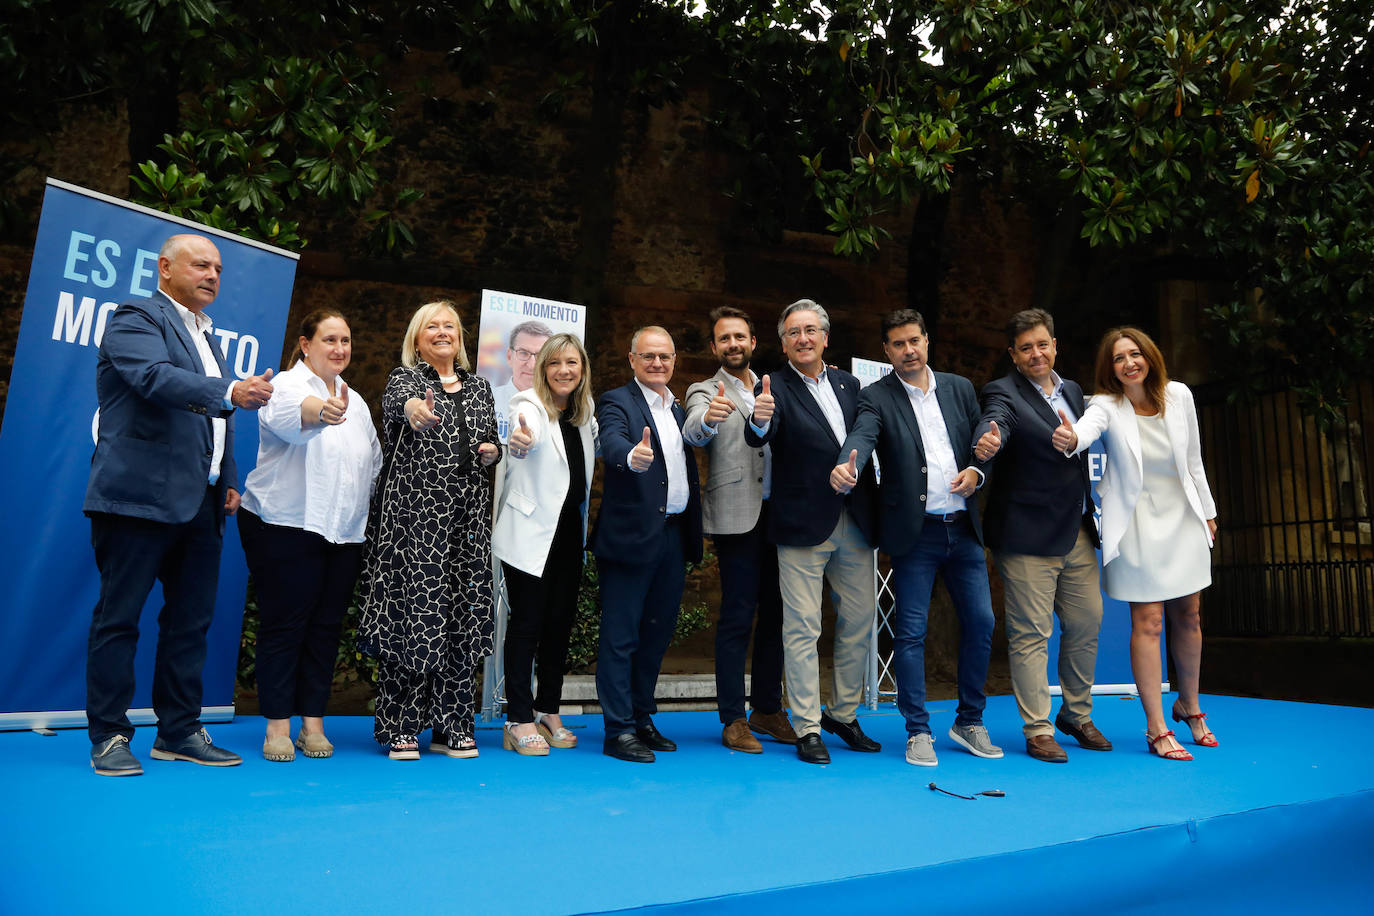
1208, 739
1177, 753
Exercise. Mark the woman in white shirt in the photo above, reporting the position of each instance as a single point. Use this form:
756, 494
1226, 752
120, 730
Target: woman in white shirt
540, 534
1158, 520
301, 523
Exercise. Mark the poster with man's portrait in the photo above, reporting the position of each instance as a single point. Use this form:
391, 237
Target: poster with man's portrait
513, 327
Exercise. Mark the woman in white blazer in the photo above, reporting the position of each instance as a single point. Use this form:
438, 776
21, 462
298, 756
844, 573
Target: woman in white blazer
1158, 520
540, 535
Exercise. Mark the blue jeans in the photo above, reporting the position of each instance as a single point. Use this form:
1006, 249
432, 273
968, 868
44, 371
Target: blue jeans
952, 549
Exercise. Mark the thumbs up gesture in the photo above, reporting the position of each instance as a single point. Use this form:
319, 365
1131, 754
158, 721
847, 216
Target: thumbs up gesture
252, 392
846, 476
521, 438
763, 404
421, 414
1064, 438
989, 443
720, 408
335, 408
642, 455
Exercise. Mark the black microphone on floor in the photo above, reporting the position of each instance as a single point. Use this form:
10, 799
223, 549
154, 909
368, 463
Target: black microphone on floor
991, 793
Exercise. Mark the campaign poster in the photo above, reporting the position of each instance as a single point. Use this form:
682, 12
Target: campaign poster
92, 253
513, 327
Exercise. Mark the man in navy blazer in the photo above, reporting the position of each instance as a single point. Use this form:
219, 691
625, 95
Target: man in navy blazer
1043, 539
162, 480
920, 422
804, 412
649, 527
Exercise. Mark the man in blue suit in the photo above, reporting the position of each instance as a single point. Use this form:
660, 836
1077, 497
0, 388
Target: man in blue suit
804, 412
648, 529
1043, 539
162, 480
920, 422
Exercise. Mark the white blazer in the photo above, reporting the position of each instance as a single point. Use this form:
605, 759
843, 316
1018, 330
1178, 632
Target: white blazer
1122, 480
535, 486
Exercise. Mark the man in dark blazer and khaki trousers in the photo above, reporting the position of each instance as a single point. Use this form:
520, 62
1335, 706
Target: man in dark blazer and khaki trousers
648, 528
1040, 527
804, 411
920, 423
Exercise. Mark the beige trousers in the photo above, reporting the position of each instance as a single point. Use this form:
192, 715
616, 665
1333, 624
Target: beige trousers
1037, 588
846, 561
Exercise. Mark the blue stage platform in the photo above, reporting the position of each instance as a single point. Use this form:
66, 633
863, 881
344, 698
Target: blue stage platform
1279, 818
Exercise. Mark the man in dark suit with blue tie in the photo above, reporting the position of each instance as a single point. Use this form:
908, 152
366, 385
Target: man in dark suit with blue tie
162, 480
804, 412
1043, 539
649, 527
920, 422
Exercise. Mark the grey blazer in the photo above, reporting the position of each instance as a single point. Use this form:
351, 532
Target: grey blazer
733, 493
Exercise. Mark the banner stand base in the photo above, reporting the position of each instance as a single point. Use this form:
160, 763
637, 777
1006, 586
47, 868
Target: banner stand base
76, 718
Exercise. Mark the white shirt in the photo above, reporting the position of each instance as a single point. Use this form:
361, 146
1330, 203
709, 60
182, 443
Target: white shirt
745, 390
670, 438
1057, 402
318, 479
941, 465
825, 396
198, 325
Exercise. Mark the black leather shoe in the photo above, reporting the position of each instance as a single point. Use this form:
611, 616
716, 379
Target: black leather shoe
627, 747
1085, 733
653, 738
811, 749
195, 747
851, 734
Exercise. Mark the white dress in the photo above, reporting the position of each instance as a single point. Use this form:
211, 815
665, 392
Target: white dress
1164, 552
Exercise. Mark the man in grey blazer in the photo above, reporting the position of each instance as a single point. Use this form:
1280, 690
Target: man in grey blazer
920, 423
735, 515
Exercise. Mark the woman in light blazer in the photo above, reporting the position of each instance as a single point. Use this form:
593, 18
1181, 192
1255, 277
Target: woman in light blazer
1158, 520
540, 535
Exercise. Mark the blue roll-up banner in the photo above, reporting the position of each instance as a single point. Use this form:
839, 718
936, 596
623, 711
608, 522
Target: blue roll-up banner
92, 253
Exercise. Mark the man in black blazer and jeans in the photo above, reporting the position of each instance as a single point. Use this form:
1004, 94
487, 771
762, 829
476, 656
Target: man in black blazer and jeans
1040, 527
920, 422
804, 412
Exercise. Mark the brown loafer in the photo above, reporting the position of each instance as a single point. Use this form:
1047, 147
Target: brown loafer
1044, 747
1085, 733
737, 737
774, 725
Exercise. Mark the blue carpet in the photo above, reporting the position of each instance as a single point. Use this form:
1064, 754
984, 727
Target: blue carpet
1281, 815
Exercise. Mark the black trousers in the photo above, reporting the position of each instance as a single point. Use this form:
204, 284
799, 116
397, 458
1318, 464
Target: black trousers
304, 584
132, 554
639, 608
748, 583
542, 609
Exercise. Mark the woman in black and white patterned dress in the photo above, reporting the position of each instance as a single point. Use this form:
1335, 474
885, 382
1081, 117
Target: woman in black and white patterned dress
426, 606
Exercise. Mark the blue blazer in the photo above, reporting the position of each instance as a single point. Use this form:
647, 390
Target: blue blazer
887, 424
153, 450
804, 508
633, 504
1037, 498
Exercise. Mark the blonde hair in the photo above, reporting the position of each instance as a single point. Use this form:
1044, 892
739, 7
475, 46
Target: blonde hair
410, 351
580, 401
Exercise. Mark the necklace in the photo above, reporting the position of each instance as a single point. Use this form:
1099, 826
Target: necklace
448, 379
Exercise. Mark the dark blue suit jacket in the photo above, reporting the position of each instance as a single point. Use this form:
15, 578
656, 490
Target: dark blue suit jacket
1036, 496
887, 424
152, 455
633, 504
804, 509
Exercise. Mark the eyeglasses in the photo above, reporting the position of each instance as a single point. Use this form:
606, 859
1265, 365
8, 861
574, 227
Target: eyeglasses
522, 355
664, 358
809, 331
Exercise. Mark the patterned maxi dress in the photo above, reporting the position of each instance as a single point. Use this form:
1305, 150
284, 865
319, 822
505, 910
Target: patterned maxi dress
426, 588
